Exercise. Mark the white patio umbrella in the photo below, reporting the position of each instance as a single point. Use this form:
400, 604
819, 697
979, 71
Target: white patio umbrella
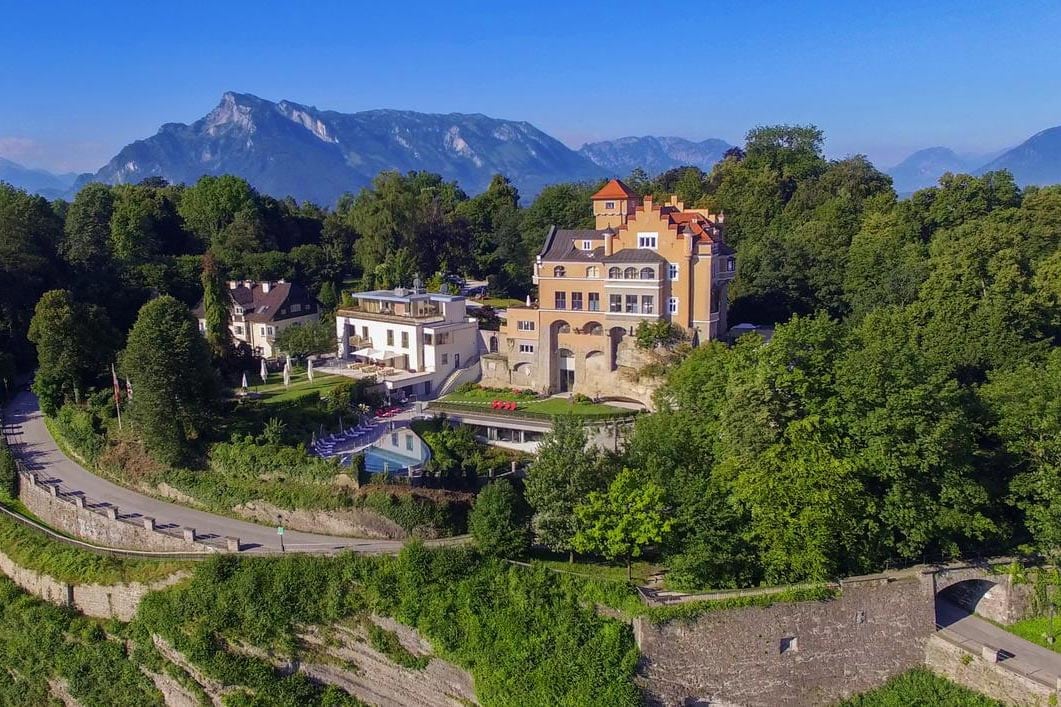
287, 374
244, 380
309, 369
264, 373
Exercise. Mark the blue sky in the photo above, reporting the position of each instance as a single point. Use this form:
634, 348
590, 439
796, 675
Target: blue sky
79, 80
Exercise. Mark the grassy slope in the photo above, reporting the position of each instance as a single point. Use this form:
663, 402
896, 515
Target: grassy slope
920, 688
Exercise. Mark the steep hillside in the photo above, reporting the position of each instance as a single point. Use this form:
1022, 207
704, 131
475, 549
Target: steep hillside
1037, 160
37, 181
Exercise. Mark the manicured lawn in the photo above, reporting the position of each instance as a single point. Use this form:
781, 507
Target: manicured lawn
500, 302
545, 406
274, 391
1036, 629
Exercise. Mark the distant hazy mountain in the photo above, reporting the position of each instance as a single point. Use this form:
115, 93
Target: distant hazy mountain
925, 167
1037, 160
289, 149
654, 154
37, 181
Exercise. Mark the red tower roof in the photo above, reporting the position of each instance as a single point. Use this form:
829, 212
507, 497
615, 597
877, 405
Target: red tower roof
615, 189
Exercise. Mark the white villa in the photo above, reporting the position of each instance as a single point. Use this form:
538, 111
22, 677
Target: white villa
411, 341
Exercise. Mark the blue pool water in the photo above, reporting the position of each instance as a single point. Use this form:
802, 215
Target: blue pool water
376, 459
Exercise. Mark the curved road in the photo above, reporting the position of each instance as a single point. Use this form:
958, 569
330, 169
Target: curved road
34, 446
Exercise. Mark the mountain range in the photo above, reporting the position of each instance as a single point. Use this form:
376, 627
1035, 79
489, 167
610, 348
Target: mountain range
286, 148
38, 181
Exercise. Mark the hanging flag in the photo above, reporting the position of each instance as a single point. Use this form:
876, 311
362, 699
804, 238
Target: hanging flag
309, 369
117, 388
128, 389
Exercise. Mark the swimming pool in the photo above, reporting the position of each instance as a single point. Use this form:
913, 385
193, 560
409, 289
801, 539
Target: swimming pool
379, 460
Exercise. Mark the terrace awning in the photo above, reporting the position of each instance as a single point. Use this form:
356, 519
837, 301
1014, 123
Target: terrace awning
378, 354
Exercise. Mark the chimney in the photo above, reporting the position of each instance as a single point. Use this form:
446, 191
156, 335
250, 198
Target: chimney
608, 234
266, 286
249, 284
233, 284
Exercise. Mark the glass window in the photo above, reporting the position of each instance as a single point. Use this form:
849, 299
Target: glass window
646, 240
558, 271
648, 304
409, 442
615, 303
592, 271
716, 299
648, 274
631, 304
390, 337
364, 332
526, 348
587, 245
672, 305
731, 264
429, 339
576, 300
609, 204
561, 300
672, 271
615, 273
524, 325
445, 359
405, 339
594, 302
630, 273
394, 439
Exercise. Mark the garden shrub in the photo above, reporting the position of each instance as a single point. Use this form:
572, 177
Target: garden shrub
8, 473
81, 430
416, 513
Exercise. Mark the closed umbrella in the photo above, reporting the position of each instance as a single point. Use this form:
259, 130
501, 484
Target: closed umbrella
244, 380
264, 373
309, 369
287, 374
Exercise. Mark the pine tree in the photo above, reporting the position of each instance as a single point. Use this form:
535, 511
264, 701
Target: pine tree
215, 306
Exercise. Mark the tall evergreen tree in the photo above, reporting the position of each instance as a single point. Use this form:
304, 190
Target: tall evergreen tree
215, 305
168, 362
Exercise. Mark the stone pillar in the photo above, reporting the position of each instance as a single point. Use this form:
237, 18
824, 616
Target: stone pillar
189, 534
32, 478
232, 544
79, 501
989, 654
53, 489
112, 512
149, 523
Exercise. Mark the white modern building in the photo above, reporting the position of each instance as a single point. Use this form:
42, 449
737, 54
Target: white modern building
410, 340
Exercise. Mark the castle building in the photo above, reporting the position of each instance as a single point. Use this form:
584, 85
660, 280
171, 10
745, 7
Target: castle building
644, 262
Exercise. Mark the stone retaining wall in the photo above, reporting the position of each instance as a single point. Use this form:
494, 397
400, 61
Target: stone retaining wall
70, 515
115, 601
986, 677
802, 653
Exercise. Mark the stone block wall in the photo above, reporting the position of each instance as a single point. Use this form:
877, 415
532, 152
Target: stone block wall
803, 653
992, 679
117, 601
63, 513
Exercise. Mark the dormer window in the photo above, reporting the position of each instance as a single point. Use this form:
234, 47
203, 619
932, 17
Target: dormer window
647, 240
559, 271
238, 310
587, 245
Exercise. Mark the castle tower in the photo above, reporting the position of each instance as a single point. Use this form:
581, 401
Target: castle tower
613, 204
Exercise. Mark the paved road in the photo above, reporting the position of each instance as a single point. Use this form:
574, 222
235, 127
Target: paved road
24, 426
1021, 655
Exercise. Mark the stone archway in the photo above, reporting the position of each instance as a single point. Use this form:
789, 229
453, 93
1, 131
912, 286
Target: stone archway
615, 335
565, 369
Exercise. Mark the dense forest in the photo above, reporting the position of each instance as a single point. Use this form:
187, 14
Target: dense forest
907, 408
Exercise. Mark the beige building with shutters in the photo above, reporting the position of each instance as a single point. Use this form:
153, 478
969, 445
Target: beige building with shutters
642, 262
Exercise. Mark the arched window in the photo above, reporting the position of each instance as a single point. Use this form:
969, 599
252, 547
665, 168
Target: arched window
630, 273
558, 271
593, 328
592, 271
648, 274
614, 273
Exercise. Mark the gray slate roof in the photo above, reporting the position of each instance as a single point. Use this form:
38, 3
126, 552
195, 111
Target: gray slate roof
564, 244
634, 255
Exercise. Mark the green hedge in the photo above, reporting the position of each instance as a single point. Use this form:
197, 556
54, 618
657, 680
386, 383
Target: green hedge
411, 511
920, 687
8, 473
692, 610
